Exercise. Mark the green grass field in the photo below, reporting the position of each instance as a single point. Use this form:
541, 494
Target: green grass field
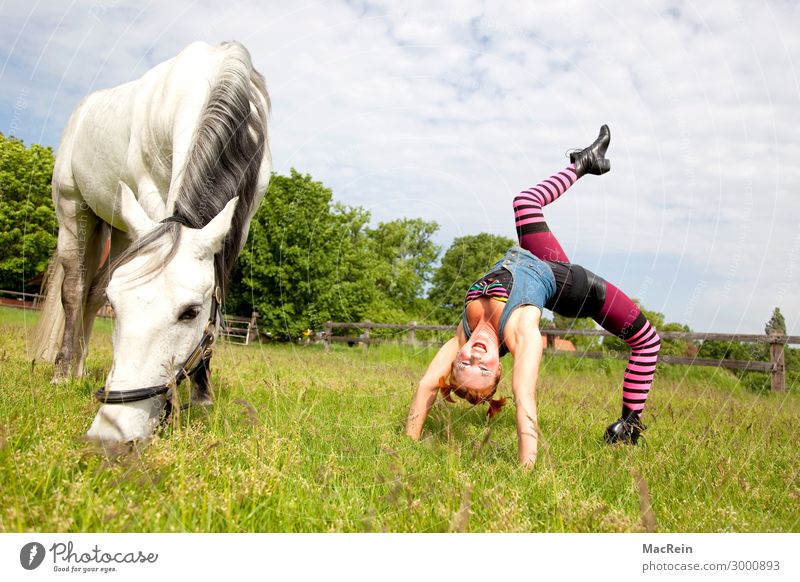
301, 440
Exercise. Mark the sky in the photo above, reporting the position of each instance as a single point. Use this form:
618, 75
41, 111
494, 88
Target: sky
445, 110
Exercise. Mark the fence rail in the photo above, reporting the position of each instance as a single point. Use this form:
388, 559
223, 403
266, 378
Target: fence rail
17, 299
34, 301
234, 329
776, 367
246, 330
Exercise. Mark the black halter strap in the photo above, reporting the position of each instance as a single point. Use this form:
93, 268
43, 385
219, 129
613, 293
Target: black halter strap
200, 356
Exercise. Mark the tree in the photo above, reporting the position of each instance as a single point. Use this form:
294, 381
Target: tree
404, 255
27, 219
755, 352
306, 260
777, 324
466, 260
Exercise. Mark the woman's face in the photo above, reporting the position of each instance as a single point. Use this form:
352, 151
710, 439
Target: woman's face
477, 364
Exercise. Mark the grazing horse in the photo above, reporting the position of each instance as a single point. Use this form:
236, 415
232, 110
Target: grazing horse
167, 171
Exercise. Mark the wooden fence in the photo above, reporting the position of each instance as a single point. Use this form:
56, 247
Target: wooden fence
775, 367
241, 330
34, 301
234, 329
20, 300
245, 330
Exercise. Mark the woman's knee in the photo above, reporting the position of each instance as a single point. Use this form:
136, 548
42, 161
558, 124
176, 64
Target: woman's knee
527, 199
651, 343
656, 341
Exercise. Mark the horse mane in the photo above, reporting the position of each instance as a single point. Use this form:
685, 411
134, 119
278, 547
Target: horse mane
225, 156
162, 242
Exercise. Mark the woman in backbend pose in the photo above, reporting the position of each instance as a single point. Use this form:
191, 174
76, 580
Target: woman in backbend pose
502, 312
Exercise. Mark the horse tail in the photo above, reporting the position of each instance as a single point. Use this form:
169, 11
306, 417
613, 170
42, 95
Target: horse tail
49, 331
226, 155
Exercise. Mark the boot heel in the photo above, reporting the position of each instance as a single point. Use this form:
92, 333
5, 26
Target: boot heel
603, 166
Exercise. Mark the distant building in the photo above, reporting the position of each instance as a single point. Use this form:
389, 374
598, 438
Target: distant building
563, 345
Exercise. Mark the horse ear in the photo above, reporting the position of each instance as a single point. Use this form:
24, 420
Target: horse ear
214, 232
132, 213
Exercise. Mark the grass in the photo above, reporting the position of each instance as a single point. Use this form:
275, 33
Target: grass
301, 440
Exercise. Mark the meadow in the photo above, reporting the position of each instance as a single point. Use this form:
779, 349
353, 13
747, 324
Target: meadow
302, 440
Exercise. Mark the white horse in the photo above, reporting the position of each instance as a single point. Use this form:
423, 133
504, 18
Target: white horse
171, 168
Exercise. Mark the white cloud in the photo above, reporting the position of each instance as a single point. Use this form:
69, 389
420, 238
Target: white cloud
447, 109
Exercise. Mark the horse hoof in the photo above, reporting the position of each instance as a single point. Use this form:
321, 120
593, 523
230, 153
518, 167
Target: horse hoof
61, 375
203, 401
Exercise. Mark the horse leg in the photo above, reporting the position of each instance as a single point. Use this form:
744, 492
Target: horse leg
95, 292
77, 231
202, 392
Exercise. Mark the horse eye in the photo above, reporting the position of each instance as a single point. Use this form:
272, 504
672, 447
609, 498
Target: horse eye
190, 313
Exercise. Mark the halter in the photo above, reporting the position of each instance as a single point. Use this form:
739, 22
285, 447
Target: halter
200, 356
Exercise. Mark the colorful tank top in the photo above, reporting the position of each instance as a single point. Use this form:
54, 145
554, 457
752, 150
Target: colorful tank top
494, 285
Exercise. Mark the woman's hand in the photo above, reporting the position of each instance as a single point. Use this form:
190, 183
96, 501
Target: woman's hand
524, 341
429, 386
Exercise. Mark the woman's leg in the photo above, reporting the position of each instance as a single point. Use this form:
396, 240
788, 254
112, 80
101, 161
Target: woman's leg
620, 316
617, 314
532, 230
533, 233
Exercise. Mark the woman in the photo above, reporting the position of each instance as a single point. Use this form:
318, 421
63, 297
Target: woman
503, 309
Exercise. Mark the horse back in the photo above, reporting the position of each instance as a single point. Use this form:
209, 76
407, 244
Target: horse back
139, 132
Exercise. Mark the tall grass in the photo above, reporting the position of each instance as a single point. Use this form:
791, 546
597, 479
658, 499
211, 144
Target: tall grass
302, 440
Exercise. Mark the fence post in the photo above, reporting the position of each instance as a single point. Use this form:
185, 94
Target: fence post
326, 336
365, 335
551, 339
252, 328
779, 371
412, 333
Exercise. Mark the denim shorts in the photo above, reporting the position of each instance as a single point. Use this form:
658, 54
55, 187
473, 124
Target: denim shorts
534, 284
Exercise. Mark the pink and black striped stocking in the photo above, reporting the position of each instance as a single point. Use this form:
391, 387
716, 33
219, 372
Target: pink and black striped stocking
532, 230
618, 315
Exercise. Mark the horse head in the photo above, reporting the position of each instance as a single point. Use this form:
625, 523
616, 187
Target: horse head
164, 294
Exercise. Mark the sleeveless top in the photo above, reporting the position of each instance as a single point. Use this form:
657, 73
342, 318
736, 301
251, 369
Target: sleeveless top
494, 285
532, 284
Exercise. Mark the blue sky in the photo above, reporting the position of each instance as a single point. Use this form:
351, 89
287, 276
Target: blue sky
445, 110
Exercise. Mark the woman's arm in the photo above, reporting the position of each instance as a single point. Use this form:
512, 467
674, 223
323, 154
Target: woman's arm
429, 386
525, 342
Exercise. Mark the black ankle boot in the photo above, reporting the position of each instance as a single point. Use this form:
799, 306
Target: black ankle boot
592, 160
626, 430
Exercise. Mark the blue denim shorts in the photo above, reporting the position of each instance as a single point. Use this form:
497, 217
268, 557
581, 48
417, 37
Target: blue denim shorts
534, 284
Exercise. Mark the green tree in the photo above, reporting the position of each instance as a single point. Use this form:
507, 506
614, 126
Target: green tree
777, 324
403, 256
669, 347
467, 259
722, 350
27, 219
758, 352
306, 260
